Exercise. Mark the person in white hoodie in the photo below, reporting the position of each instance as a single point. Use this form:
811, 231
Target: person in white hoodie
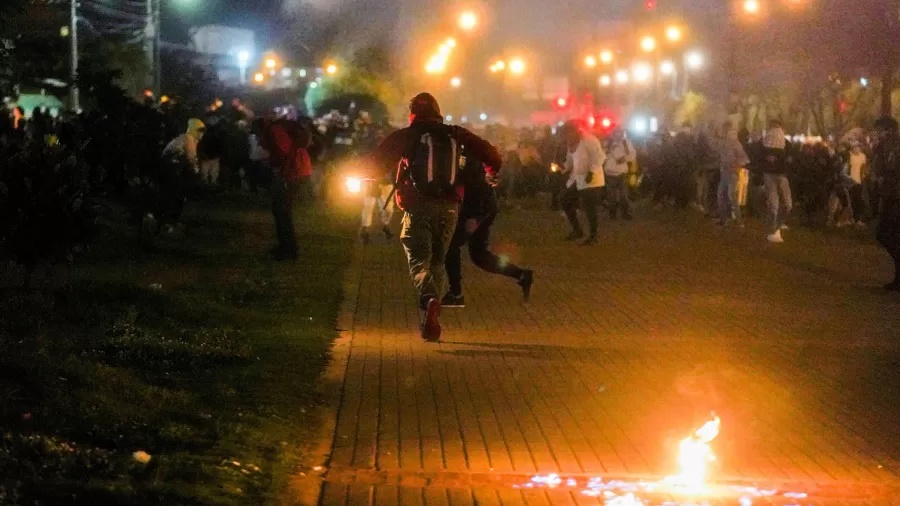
621, 154
584, 166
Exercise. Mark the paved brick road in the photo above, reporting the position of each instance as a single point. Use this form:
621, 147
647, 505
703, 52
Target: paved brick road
624, 349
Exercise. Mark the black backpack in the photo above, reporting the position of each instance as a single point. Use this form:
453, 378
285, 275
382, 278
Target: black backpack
432, 159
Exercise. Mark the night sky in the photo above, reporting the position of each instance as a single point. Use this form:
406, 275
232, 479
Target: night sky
549, 28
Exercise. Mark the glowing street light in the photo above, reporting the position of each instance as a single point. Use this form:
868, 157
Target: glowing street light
450, 42
468, 20
642, 72
674, 33
605, 80
752, 6
243, 58
694, 60
667, 68
622, 77
331, 69
606, 56
590, 61
517, 66
648, 44
500, 65
456, 82
259, 77
271, 63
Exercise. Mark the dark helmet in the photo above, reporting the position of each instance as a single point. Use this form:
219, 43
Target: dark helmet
425, 106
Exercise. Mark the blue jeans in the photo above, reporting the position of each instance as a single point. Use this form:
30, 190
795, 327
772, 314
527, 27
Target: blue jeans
729, 200
778, 199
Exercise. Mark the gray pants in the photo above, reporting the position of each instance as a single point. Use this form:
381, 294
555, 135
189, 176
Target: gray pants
778, 199
729, 196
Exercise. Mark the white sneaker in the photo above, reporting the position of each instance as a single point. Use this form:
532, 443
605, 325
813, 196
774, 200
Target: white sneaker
775, 237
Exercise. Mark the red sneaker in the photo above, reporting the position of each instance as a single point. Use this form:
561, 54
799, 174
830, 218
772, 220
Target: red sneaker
431, 327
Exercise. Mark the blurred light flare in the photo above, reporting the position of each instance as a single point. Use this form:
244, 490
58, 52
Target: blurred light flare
648, 44
468, 20
667, 68
694, 60
605, 80
606, 56
517, 66
590, 61
674, 33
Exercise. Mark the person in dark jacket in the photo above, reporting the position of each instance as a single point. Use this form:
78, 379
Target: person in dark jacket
886, 167
428, 221
287, 142
477, 213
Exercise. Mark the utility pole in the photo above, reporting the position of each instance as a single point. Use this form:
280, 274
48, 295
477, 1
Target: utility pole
157, 66
73, 84
150, 45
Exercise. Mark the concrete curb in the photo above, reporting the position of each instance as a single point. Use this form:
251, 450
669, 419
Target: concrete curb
306, 486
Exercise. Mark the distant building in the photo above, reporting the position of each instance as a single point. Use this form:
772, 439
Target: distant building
224, 47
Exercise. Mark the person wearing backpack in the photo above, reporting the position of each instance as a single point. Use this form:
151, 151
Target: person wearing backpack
287, 142
428, 189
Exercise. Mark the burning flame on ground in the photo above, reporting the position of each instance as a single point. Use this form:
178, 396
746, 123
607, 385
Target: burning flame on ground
695, 455
691, 481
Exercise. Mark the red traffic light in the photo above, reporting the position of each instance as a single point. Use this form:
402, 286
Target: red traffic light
650, 4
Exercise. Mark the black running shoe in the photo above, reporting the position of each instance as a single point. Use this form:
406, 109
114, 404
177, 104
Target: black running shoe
525, 281
451, 300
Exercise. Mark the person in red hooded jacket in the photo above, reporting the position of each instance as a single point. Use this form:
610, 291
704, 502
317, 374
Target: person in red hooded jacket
287, 142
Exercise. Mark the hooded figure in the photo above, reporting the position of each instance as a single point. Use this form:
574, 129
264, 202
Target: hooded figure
185, 145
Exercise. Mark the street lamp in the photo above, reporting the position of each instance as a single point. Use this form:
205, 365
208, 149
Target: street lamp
674, 33
605, 80
590, 61
606, 56
468, 20
642, 72
622, 77
331, 69
752, 6
694, 60
271, 63
648, 44
667, 68
259, 77
243, 58
517, 66
456, 82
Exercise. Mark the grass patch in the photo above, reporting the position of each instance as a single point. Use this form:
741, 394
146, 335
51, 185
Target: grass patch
200, 352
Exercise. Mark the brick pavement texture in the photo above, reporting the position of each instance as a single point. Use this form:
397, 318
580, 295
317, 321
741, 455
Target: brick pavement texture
624, 349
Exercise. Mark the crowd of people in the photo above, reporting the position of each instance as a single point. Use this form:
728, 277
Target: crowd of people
452, 181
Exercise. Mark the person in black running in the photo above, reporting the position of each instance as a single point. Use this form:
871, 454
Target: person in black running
476, 215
